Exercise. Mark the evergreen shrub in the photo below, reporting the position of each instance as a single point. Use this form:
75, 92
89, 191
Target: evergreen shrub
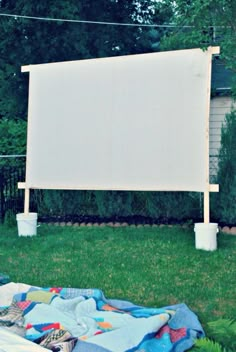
159, 207
224, 202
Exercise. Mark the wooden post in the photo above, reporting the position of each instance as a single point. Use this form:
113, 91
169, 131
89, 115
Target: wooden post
206, 207
213, 50
27, 201
22, 185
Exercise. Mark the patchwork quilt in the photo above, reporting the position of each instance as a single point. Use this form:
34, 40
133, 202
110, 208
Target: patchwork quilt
71, 319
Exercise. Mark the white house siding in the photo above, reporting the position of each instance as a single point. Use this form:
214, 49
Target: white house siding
219, 107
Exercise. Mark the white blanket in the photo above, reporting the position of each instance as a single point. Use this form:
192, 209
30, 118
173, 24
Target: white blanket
10, 342
9, 290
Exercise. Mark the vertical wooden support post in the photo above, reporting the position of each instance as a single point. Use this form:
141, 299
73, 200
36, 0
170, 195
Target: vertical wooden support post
27, 200
206, 207
23, 184
212, 50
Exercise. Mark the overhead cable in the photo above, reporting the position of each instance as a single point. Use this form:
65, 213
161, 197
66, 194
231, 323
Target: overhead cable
169, 25
13, 156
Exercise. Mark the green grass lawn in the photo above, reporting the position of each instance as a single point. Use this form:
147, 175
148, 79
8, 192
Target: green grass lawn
151, 266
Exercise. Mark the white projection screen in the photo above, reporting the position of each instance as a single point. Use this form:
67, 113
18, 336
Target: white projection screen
133, 122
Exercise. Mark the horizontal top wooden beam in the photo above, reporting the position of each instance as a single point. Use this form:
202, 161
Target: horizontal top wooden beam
25, 68
21, 185
214, 188
215, 50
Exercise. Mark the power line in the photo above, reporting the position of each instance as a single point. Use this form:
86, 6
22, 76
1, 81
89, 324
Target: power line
12, 156
169, 25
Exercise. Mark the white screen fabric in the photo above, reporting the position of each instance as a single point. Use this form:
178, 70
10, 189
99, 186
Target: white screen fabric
133, 122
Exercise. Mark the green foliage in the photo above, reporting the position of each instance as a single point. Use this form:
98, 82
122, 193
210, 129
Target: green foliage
201, 23
24, 41
224, 331
58, 203
12, 140
225, 201
10, 218
114, 205
207, 345
176, 206
222, 334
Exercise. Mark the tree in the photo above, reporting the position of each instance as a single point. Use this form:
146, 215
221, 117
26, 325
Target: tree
225, 201
12, 141
28, 41
200, 23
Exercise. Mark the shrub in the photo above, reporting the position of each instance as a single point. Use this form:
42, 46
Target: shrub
224, 203
12, 140
135, 206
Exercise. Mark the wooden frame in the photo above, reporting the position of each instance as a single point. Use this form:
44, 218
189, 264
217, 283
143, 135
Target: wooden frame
208, 187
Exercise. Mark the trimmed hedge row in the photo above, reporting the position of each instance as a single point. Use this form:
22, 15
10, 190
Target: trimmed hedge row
153, 207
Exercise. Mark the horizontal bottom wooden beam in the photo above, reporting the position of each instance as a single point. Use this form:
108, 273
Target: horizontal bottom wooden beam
214, 188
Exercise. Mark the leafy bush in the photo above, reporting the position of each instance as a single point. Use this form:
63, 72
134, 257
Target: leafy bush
224, 203
12, 140
10, 218
117, 205
224, 331
58, 203
222, 334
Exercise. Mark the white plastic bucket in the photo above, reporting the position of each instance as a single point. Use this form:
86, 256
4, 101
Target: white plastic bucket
205, 236
27, 224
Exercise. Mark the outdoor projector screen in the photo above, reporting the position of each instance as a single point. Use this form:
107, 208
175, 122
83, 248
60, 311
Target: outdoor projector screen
133, 122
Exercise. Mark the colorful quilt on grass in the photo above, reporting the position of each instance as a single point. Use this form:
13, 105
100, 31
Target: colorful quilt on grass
78, 320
